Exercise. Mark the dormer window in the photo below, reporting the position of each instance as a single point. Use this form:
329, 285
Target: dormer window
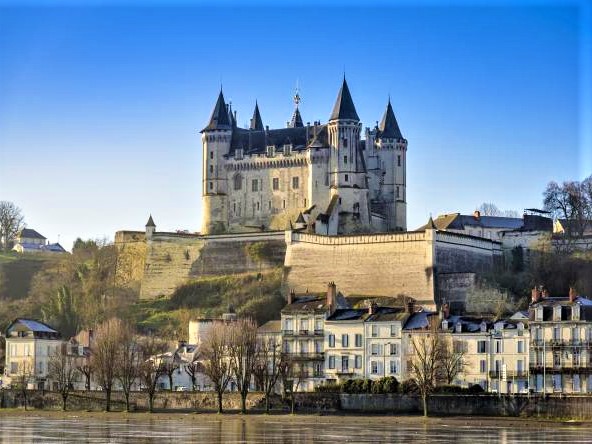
238, 154
445, 325
538, 313
520, 327
557, 313
458, 327
575, 312
287, 149
270, 151
483, 326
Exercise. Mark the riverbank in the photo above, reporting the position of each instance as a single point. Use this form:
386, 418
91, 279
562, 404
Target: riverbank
353, 419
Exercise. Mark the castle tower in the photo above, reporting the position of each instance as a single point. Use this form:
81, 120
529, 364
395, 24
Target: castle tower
150, 228
390, 141
296, 121
216, 137
347, 171
256, 122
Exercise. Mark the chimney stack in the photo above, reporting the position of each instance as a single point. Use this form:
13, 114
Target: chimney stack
411, 306
477, 214
372, 307
545, 293
535, 295
572, 294
445, 310
291, 297
331, 295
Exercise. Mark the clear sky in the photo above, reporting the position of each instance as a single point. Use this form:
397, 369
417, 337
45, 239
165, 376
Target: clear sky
101, 107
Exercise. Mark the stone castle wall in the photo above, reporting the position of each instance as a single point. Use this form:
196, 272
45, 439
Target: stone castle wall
173, 259
131, 256
391, 264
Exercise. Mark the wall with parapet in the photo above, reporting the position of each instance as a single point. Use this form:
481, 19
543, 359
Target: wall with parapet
390, 264
172, 259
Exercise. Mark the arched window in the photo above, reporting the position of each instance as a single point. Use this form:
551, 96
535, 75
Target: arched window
238, 181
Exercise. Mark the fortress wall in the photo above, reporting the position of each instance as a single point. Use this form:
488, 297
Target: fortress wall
131, 255
459, 259
173, 259
373, 265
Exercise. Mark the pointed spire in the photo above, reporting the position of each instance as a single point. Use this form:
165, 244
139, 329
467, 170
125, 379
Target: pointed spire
344, 105
296, 121
389, 128
431, 225
219, 119
231, 116
256, 122
150, 222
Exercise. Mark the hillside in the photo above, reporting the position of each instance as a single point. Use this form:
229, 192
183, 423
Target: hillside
17, 271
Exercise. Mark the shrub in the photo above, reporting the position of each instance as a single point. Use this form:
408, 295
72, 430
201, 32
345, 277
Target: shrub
357, 386
408, 387
449, 388
346, 386
328, 387
389, 384
376, 387
366, 386
475, 389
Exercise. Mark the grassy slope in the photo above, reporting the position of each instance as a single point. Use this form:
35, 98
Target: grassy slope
17, 271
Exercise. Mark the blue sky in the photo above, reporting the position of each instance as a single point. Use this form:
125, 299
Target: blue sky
100, 106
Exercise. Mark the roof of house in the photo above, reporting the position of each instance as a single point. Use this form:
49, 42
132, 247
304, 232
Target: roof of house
316, 303
54, 248
37, 327
459, 221
274, 326
29, 233
344, 105
256, 122
384, 314
418, 320
348, 314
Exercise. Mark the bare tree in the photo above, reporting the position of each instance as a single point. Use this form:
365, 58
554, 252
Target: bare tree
269, 365
169, 367
193, 368
11, 221
62, 369
217, 366
24, 375
243, 355
151, 368
84, 367
105, 351
292, 374
452, 361
571, 201
127, 364
491, 209
425, 364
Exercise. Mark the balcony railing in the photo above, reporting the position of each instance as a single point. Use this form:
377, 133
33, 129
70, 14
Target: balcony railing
554, 343
307, 356
509, 374
564, 369
302, 332
345, 371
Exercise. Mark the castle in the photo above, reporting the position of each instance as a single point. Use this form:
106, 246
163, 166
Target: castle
323, 177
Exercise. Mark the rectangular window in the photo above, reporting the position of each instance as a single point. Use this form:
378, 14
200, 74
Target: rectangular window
345, 143
520, 347
520, 365
26, 352
276, 183
375, 349
295, 182
346, 178
358, 340
318, 347
374, 331
284, 204
498, 346
557, 387
345, 340
211, 168
556, 333
255, 185
576, 384
399, 160
393, 367
14, 367
358, 361
481, 347
374, 367
344, 159
394, 330
398, 192
318, 325
211, 185
211, 154
331, 340
393, 349
557, 359
344, 363
331, 361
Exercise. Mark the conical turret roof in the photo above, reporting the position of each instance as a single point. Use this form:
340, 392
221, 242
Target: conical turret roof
219, 119
231, 116
150, 222
344, 105
256, 122
296, 121
389, 128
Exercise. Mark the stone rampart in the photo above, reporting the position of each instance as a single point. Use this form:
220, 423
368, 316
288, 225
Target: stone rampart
172, 259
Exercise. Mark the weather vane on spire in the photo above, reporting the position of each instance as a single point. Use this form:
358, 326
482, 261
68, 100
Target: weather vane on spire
297, 95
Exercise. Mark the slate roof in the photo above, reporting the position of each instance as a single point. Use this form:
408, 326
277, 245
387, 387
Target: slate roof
344, 105
316, 303
418, 320
29, 233
150, 222
296, 119
348, 314
256, 142
274, 326
457, 221
54, 248
219, 119
39, 329
256, 122
389, 128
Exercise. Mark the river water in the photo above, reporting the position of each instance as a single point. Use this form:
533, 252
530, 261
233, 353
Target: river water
71, 428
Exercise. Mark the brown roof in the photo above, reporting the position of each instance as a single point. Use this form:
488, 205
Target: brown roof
274, 326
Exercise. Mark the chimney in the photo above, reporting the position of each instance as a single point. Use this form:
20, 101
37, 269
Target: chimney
331, 295
477, 214
545, 293
90, 337
535, 295
572, 294
410, 306
372, 307
291, 297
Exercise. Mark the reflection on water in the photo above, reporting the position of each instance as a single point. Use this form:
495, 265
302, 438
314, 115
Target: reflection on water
274, 429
